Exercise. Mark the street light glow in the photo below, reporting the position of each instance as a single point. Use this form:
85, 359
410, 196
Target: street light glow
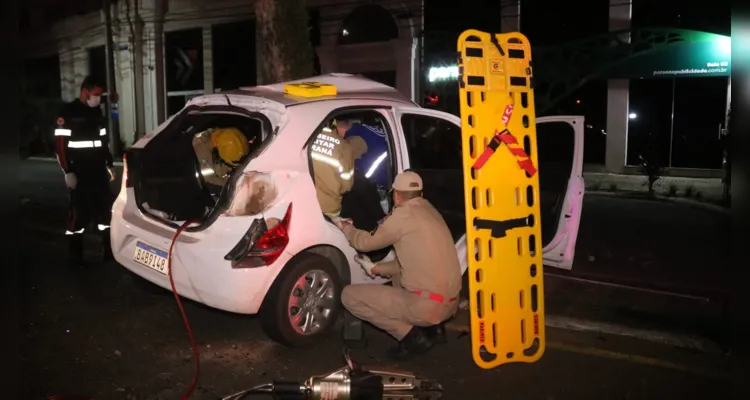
443, 73
633, 116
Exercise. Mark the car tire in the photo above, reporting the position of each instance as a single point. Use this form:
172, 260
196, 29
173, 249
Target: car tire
274, 314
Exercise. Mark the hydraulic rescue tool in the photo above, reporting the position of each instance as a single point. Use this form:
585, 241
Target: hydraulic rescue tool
352, 382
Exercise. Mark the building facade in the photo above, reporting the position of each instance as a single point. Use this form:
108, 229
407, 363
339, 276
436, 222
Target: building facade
192, 47
671, 96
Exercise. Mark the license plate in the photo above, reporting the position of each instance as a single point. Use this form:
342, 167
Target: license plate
151, 257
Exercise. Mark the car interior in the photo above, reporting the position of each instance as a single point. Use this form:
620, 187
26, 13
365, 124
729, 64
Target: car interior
178, 168
366, 204
555, 152
434, 147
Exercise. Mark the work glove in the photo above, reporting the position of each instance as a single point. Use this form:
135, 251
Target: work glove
70, 180
111, 174
366, 263
341, 222
390, 256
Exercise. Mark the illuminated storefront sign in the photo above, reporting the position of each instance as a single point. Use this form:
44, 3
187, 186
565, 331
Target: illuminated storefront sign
701, 54
448, 73
706, 54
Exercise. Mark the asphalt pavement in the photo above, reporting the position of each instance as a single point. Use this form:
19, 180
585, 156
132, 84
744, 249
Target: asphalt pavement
108, 334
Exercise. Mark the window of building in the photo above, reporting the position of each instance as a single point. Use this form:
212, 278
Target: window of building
699, 113
98, 65
233, 47
368, 23
649, 122
184, 60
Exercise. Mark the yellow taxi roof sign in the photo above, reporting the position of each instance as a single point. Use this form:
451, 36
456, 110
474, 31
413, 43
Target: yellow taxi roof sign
310, 89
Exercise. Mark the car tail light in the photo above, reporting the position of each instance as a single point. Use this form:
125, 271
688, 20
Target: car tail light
261, 246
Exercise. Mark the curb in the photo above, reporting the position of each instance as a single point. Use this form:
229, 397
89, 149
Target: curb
48, 159
677, 200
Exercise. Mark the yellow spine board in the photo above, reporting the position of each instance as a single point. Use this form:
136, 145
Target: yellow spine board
505, 273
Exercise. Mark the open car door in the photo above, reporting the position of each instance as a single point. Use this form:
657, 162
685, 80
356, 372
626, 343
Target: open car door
432, 141
561, 186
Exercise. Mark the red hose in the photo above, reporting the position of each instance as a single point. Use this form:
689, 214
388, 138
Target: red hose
196, 357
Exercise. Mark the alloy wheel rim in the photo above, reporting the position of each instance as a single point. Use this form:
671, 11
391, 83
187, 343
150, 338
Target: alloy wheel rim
311, 302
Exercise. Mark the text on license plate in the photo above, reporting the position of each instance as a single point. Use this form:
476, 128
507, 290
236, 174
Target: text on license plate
151, 257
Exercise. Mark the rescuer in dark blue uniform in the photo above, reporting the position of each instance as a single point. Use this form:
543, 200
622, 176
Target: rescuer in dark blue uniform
374, 164
83, 154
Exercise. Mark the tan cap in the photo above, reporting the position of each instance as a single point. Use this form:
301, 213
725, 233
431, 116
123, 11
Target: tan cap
358, 145
407, 181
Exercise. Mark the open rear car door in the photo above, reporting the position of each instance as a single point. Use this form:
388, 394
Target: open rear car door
433, 144
561, 186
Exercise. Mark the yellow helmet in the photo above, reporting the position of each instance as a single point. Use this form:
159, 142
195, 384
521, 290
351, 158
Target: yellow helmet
231, 145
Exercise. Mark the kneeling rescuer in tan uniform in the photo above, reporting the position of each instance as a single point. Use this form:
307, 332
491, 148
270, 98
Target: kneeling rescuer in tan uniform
426, 274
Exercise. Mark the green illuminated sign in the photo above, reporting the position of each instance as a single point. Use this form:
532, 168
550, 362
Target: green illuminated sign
701, 54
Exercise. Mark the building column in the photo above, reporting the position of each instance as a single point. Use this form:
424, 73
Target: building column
74, 66
208, 60
404, 50
67, 73
510, 16
618, 97
149, 78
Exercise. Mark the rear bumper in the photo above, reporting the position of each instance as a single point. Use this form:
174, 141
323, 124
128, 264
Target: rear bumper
200, 273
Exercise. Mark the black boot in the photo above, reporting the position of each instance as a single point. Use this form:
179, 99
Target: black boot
415, 342
354, 334
75, 251
437, 333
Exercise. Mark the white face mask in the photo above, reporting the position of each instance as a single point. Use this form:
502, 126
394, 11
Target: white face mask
93, 101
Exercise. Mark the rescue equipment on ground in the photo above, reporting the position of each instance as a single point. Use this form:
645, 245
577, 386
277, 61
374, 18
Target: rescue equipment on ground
352, 382
503, 234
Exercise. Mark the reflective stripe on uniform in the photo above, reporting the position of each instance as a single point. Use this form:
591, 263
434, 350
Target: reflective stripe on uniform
102, 227
63, 132
78, 232
434, 297
103, 132
345, 175
375, 164
328, 160
83, 144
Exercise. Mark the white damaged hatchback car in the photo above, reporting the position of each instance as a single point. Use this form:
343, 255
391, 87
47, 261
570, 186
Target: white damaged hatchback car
259, 243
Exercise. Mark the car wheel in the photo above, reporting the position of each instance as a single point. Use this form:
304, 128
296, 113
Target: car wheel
303, 303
